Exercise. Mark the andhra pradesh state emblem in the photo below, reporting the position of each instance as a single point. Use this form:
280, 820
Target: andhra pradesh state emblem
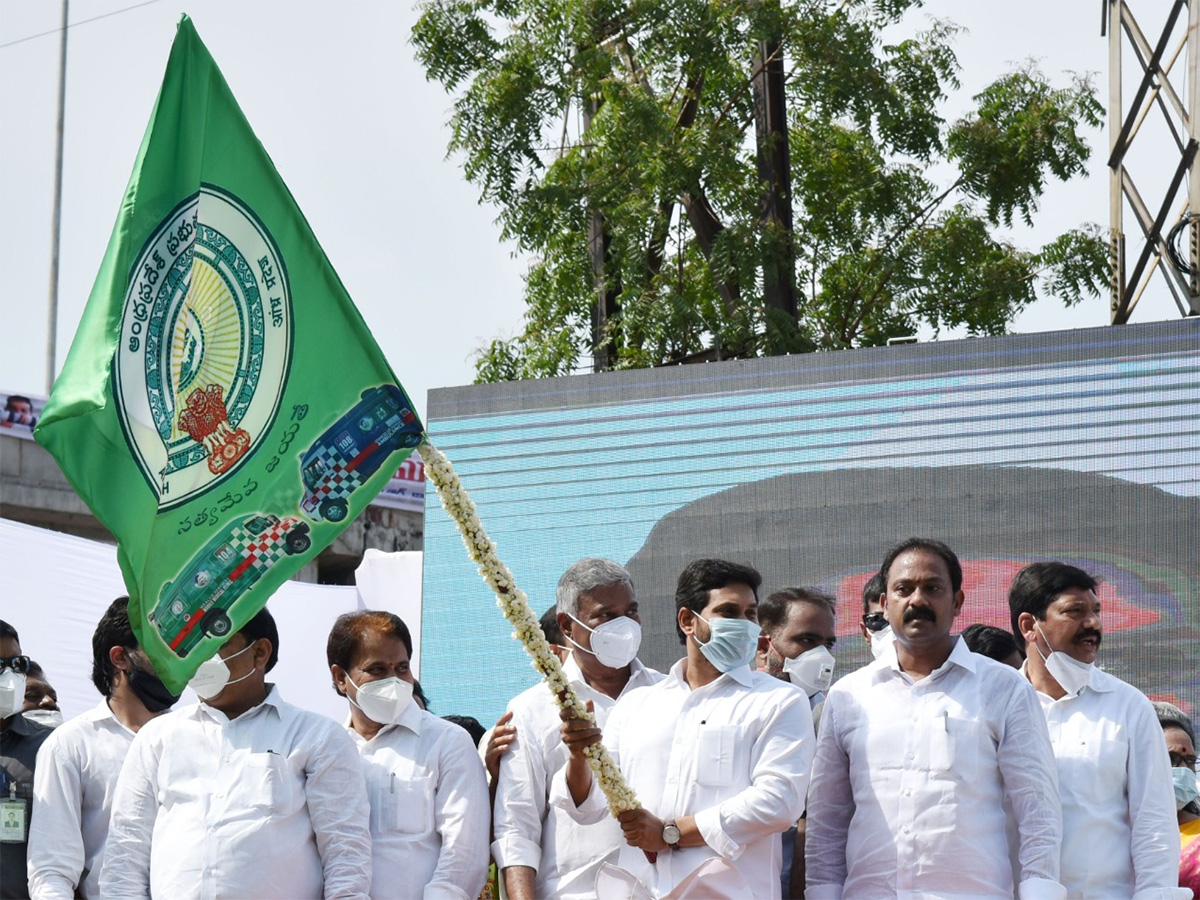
206, 342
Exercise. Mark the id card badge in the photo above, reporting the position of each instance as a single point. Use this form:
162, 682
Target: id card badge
13, 816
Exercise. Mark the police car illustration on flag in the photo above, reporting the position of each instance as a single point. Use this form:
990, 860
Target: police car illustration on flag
223, 410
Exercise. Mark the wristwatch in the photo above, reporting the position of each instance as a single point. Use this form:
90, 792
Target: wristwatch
671, 834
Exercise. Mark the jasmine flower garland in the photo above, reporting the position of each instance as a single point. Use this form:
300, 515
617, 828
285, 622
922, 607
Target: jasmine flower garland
515, 605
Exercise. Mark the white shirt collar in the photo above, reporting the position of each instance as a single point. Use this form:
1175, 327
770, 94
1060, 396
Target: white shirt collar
637, 672
960, 655
271, 705
1098, 680
412, 718
742, 674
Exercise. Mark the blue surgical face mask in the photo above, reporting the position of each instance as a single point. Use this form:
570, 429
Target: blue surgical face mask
1186, 788
731, 642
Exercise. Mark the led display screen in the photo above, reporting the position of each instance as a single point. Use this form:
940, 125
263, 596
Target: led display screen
1081, 446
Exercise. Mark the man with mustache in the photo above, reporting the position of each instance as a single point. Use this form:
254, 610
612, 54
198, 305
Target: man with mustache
926, 754
1120, 837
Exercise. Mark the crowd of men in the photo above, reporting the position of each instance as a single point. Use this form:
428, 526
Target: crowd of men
981, 765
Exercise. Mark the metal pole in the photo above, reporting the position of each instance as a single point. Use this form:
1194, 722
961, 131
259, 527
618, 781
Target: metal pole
1116, 233
1193, 132
56, 223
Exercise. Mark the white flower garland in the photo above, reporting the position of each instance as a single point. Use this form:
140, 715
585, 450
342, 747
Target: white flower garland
515, 605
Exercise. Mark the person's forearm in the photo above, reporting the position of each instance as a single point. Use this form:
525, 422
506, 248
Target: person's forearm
579, 778
796, 884
520, 882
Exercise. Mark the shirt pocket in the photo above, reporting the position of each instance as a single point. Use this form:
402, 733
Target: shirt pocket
956, 746
263, 782
1098, 770
715, 748
403, 804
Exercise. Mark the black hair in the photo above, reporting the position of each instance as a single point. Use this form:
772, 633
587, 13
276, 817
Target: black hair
990, 641
549, 623
262, 625
773, 612
419, 694
7, 631
701, 576
1036, 586
930, 546
113, 630
471, 725
872, 591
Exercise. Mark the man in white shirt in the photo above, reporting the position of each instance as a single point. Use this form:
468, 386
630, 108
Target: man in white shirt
79, 763
922, 752
240, 795
540, 851
718, 755
1120, 836
799, 630
425, 781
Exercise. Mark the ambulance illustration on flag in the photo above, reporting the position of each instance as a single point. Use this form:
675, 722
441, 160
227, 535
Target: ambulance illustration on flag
352, 449
196, 603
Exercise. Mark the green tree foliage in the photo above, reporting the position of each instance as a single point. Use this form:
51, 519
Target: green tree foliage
636, 118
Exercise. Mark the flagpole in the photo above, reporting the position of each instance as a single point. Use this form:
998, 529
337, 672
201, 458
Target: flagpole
56, 224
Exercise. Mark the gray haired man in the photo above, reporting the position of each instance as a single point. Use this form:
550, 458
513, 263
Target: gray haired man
540, 851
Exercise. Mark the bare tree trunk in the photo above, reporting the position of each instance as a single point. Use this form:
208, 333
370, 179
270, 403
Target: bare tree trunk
606, 283
775, 178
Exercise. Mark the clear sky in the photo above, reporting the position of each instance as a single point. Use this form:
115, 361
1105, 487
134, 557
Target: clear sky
335, 95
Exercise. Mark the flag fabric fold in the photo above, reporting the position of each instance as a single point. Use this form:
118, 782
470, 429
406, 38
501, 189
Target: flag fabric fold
224, 410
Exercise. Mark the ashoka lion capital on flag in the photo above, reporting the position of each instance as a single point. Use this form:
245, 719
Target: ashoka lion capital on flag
223, 410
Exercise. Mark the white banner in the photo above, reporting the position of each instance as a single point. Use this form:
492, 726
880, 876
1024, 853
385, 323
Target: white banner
406, 490
56, 587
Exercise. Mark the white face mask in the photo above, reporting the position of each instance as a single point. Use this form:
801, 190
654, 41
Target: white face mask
1071, 674
881, 640
213, 675
12, 693
811, 671
51, 718
382, 701
615, 643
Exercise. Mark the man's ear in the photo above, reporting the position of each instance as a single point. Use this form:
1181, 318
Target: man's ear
338, 674
686, 619
1025, 624
959, 597
262, 652
119, 657
565, 624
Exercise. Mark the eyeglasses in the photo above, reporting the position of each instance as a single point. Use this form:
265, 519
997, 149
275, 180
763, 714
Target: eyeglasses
19, 664
875, 621
1179, 761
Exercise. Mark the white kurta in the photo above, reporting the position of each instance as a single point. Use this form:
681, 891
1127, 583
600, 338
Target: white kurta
735, 754
911, 781
1120, 831
271, 804
429, 804
528, 831
73, 788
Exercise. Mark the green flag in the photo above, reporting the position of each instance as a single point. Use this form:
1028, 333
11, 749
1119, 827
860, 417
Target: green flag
224, 410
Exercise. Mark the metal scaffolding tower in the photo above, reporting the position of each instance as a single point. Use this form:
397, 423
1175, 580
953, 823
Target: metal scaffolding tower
1170, 235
